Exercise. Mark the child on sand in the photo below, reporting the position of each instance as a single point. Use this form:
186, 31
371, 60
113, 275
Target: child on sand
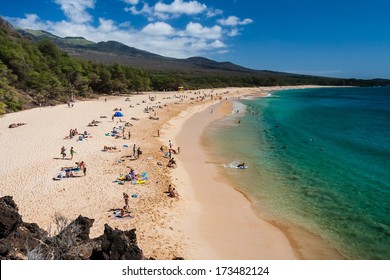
72, 152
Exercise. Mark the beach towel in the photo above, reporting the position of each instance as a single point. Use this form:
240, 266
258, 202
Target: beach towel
73, 169
121, 218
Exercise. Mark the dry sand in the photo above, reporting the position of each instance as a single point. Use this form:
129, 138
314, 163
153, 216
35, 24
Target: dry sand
210, 220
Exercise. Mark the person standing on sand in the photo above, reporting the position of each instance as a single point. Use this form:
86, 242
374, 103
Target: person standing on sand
83, 167
134, 150
72, 152
63, 152
126, 198
129, 134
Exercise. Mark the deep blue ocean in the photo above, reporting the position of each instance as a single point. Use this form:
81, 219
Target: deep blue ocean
318, 158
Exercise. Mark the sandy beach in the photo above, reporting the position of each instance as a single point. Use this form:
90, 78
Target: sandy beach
209, 220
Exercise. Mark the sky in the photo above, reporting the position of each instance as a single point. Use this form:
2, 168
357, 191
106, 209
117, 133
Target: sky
333, 38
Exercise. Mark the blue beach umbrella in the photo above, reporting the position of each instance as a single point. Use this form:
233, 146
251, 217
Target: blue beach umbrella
118, 114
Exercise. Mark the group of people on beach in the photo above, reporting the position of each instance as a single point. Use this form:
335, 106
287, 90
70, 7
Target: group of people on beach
124, 211
80, 165
137, 152
73, 132
124, 131
68, 172
63, 152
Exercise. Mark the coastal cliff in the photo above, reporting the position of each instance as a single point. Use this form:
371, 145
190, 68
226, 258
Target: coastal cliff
21, 241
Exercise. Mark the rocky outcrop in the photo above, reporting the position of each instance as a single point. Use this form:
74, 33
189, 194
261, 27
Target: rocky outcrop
118, 245
20, 240
16, 237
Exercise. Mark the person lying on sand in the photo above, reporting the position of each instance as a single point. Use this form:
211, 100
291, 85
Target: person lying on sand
123, 213
172, 163
14, 125
109, 148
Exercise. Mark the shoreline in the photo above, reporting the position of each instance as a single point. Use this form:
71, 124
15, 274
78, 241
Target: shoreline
164, 229
301, 244
226, 220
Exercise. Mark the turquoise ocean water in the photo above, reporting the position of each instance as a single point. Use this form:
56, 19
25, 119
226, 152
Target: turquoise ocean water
319, 158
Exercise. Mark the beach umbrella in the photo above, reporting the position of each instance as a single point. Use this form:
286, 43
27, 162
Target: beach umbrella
118, 114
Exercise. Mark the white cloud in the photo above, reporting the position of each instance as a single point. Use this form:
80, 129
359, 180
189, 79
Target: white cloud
181, 7
234, 32
106, 26
132, 2
234, 21
158, 29
75, 10
214, 12
217, 44
31, 21
198, 31
175, 9
146, 10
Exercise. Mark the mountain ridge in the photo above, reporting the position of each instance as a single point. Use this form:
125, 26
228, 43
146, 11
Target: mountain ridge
82, 48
